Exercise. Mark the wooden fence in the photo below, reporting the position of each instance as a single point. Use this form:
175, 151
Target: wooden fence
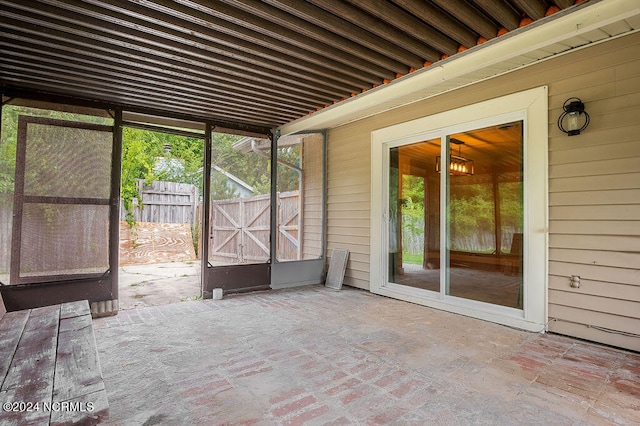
165, 202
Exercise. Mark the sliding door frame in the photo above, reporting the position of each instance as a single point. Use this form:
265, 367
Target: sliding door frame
531, 107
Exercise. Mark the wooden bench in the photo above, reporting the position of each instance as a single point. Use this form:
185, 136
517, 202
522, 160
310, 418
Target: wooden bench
49, 367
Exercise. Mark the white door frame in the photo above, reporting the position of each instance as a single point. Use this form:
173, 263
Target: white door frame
531, 106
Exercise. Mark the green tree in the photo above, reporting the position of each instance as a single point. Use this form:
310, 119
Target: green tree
151, 156
138, 157
8, 149
472, 219
412, 217
249, 167
288, 178
220, 188
9, 137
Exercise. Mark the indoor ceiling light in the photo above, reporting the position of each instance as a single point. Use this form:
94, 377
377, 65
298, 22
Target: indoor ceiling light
458, 165
573, 109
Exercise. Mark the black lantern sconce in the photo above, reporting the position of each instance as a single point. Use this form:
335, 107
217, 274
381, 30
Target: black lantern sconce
573, 109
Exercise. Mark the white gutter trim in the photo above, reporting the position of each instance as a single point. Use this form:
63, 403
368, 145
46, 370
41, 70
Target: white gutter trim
405, 90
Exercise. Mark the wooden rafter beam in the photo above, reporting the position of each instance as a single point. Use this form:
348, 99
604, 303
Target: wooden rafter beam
409, 24
535, 9
563, 4
377, 27
501, 12
156, 50
196, 33
357, 57
316, 23
438, 19
469, 16
245, 38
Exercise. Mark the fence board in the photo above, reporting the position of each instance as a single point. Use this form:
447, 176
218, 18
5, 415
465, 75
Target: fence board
288, 226
166, 202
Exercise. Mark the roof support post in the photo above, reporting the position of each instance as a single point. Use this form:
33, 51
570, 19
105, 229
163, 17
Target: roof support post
114, 212
273, 232
206, 211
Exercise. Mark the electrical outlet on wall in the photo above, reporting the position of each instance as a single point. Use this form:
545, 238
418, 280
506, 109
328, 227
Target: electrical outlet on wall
575, 281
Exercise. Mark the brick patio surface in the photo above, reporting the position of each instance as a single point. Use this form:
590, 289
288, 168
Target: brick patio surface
319, 357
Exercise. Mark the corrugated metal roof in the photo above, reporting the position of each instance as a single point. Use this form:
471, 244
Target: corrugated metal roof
245, 63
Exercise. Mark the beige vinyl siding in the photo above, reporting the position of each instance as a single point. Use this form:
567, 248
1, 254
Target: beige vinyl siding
594, 202
594, 186
349, 200
312, 208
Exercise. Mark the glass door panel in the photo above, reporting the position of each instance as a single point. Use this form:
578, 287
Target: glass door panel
485, 215
299, 210
240, 200
300, 183
414, 215
239, 219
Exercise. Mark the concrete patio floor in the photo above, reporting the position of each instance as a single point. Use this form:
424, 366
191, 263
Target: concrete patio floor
315, 356
158, 284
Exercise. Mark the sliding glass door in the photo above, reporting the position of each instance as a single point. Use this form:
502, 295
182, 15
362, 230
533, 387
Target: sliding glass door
414, 212
459, 210
481, 196
483, 207
485, 214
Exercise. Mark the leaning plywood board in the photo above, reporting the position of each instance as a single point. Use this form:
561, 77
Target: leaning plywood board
337, 267
152, 243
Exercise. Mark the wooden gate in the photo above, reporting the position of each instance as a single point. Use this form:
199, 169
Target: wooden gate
289, 247
240, 229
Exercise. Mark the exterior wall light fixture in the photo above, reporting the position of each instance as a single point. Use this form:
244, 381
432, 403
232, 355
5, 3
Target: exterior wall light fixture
573, 109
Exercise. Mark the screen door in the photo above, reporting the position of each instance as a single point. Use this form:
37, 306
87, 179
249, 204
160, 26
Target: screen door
61, 205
